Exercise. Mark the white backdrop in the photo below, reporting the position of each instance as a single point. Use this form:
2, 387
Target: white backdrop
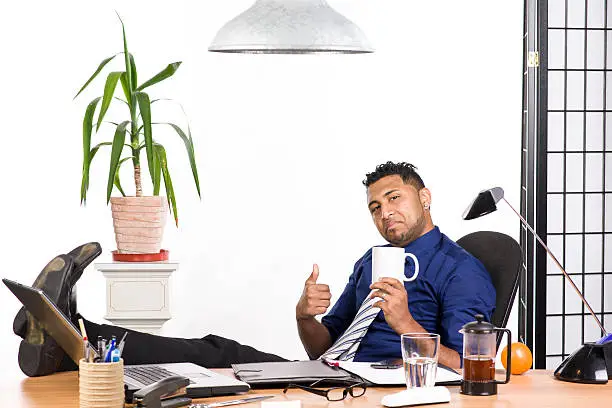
282, 144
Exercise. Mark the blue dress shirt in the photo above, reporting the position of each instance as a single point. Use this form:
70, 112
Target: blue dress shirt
451, 288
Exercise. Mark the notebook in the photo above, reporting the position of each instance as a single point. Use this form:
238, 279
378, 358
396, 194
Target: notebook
396, 376
203, 382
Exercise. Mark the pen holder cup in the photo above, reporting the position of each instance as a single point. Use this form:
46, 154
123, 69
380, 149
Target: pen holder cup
101, 385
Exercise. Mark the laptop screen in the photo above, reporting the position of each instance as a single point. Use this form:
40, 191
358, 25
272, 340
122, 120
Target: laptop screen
55, 323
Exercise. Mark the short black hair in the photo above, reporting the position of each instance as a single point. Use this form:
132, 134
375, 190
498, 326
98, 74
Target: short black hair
405, 170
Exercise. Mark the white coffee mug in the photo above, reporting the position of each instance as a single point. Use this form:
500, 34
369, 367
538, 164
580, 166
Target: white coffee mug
389, 262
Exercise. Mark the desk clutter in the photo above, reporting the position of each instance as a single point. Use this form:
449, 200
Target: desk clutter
101, 375
109, 351
536, 388
106, 351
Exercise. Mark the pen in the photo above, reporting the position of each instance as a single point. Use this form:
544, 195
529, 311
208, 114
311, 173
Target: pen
115, 355
122, 343
85, 349
109, 349
100, 348
332, 363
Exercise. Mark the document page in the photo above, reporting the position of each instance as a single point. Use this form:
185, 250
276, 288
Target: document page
393, 376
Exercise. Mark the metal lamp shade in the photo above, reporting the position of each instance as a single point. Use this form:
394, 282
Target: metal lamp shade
484, 203
290, 27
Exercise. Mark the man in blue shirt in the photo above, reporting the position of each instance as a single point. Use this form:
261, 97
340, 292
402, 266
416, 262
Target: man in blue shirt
451, 288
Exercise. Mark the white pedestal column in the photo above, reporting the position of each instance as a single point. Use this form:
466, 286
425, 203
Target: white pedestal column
138, 294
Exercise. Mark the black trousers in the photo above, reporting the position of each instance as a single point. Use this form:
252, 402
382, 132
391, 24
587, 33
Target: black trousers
210, 351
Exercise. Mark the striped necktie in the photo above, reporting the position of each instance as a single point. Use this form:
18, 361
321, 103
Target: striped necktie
345, 347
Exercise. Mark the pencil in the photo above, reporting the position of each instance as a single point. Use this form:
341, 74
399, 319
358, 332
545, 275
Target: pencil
86, 354
82, 325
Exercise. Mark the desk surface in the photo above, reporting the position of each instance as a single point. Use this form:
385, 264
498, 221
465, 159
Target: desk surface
535, 388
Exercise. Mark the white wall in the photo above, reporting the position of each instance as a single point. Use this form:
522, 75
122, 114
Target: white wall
282, 145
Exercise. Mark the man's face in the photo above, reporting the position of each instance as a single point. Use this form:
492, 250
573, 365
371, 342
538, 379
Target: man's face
397, 210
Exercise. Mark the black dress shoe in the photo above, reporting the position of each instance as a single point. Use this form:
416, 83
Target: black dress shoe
39, 354
81, 258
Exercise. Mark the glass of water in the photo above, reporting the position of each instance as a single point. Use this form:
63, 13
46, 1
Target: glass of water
420, 354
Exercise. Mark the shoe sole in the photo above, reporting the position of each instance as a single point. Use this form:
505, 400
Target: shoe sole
39, 353
82, 257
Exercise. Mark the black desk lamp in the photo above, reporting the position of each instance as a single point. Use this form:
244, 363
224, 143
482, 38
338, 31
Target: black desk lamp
592, 362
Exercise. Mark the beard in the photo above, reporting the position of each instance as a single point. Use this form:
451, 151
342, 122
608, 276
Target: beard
403, 238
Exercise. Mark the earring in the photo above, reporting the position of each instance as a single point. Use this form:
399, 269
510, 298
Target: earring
426, 206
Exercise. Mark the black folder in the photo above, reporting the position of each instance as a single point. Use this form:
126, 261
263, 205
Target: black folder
278, 374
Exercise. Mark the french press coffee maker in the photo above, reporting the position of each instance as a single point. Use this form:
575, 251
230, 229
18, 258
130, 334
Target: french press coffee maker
479, 351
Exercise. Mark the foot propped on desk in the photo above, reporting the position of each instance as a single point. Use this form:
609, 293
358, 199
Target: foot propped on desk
417, 396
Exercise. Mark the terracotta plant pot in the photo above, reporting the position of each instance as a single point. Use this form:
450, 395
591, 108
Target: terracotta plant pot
139, 223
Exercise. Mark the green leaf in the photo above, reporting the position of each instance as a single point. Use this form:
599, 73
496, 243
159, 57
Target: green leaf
126, 88
134, 78
96, 148
117, 181
91, 78
87, 125
86, 167
161, 154
139, 129
119, 99
124, 160
163, 74
190, 152
145, 110
118, 141
157, 173
109, 90
126, 55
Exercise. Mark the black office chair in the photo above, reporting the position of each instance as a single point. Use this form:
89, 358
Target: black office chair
501, 255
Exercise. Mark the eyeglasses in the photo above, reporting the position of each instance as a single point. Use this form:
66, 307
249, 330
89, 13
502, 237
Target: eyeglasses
334, 393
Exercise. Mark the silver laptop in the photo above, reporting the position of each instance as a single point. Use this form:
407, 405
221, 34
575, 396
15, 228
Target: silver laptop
203, 382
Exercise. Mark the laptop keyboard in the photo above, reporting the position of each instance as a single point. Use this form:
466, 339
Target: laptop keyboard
148, 375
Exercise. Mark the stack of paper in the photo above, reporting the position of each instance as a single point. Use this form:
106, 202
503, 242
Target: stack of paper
394, 376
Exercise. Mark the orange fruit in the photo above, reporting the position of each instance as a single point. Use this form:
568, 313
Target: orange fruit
521, 358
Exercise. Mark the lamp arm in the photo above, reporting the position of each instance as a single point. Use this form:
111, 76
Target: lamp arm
526, 224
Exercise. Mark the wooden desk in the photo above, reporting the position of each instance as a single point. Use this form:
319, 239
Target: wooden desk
534, 389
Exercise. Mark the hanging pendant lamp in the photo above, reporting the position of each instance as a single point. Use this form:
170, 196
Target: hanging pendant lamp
290, 27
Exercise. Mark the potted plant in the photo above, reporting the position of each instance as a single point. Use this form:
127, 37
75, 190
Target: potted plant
138, 220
